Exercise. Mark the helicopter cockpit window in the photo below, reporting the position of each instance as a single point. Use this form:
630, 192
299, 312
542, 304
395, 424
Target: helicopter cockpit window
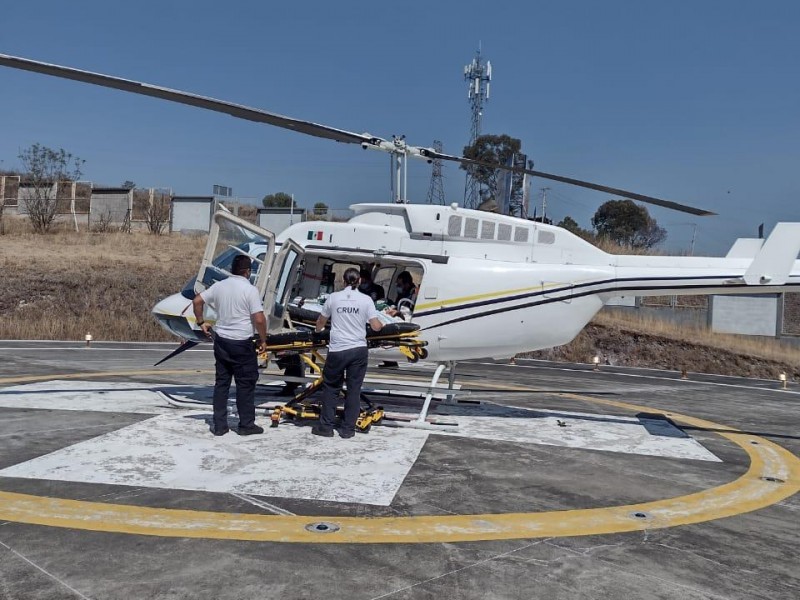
521, 234
487, 230
454, 226
471, 228
504, 232
222, 263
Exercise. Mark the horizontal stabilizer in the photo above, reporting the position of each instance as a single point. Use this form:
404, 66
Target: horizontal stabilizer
745, 248
775, 260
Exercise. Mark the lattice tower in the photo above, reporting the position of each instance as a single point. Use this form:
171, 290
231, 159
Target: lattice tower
436, 189
478, 76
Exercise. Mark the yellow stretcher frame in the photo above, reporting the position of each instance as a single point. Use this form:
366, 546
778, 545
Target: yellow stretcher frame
308, 350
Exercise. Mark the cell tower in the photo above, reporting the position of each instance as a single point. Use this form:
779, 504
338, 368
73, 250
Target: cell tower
477, 75
436, 191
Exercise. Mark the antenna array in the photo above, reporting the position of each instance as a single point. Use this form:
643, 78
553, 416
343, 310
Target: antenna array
478, 76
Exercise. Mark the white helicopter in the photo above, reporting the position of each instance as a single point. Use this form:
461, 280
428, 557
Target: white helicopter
489, 285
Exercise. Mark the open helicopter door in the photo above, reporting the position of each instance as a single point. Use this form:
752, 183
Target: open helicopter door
283, 276
228, 237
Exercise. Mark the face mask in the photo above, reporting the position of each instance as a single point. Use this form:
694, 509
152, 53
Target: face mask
399, 289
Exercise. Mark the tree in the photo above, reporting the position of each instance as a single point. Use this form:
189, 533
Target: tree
44, 169
129, 185
627, 224
496, 149
320, 208
156, 214
572, 226
277, 200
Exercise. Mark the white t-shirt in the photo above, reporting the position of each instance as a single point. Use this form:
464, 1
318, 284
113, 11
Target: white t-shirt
233, 299
349, 312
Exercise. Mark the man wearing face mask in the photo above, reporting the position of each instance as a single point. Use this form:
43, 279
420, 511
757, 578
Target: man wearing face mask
406, 296
369, 287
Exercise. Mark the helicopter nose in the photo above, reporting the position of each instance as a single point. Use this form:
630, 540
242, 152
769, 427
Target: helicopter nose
173, 313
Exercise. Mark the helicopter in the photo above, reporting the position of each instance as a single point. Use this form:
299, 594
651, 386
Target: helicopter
489, 285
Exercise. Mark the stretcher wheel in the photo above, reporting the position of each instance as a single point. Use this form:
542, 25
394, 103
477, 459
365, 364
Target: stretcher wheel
366, 429
423, 353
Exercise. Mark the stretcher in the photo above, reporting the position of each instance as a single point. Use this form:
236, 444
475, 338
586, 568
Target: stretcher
403, 336
307, 343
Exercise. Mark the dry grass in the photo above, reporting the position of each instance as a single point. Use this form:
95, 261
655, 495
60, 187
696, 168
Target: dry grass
63, 285
647, 342
764, 348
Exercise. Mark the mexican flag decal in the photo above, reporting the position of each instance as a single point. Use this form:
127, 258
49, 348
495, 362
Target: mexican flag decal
314, 235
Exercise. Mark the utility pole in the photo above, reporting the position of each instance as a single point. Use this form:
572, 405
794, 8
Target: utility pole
477, 75
436, 189
544, 203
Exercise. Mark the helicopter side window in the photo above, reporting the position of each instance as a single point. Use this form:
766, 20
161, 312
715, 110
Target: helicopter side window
504, 232
521, 234
454, 226
487, 230
471, 228
546, 237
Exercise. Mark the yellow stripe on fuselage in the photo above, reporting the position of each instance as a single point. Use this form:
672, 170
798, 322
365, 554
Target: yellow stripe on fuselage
488, 296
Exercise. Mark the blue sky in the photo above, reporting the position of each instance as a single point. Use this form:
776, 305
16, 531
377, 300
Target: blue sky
697, 102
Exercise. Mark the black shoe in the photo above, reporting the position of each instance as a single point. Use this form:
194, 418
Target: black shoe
317, 430
388, 364
251, 430
220, 431
346, 434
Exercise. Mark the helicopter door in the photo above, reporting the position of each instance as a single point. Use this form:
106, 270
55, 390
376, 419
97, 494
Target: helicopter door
283, 275
229, 236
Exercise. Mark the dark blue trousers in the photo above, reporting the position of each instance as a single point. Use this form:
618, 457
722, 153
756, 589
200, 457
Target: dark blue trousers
347, 366
235, 359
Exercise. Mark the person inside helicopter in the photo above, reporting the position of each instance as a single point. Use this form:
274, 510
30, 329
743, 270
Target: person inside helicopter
405, 296
368, 286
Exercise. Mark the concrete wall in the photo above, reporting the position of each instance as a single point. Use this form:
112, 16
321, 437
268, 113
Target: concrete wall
191, 214
746, 315
110, 205
278, 219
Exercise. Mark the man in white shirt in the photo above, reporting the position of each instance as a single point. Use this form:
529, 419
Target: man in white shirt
349, 312
239, 311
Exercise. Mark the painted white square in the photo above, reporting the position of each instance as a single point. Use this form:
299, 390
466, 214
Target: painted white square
177, 451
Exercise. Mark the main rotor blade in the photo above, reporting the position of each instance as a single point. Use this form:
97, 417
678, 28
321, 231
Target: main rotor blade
306, 127
145, 89
586, 184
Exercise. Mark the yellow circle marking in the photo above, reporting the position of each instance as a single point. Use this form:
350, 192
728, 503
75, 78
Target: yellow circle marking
749, 492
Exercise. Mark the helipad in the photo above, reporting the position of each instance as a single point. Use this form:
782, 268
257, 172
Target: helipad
552, 453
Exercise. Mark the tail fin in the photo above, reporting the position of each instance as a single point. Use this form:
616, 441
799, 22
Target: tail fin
775, 260
745, 248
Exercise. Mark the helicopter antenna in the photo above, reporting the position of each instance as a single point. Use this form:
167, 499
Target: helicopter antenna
478, 76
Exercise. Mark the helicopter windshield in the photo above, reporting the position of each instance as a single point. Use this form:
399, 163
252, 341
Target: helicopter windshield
222, 264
